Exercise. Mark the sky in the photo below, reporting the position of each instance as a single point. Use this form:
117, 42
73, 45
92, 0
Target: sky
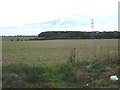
31, 17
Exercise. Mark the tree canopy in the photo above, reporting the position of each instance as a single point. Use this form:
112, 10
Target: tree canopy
79, 35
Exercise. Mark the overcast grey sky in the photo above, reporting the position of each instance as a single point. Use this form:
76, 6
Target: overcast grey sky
30, 17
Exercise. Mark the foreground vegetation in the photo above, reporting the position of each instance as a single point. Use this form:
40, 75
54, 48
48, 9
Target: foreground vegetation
60, 63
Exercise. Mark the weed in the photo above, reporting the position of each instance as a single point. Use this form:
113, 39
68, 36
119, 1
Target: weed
72, 56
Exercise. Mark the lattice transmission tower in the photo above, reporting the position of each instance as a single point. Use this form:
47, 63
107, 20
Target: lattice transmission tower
92, 24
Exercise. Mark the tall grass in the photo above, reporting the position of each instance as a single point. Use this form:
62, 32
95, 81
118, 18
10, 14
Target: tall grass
59, 63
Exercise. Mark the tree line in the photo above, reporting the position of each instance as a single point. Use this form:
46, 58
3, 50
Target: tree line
79, 35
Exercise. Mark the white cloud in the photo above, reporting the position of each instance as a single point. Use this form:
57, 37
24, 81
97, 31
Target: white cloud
20, 12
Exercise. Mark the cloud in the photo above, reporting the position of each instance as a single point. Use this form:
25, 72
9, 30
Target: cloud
73, 23
20, 12
34, 16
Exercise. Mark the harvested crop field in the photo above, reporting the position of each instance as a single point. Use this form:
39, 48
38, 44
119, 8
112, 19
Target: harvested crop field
60, 63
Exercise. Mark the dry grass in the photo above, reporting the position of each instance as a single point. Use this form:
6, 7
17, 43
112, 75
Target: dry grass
59, 49
53, 54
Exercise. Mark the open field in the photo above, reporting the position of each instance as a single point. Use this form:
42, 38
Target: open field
50, 64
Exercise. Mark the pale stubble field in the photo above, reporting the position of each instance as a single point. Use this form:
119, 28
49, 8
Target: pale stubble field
46, 63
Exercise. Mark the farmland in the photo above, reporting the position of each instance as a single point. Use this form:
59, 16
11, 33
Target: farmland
46, 64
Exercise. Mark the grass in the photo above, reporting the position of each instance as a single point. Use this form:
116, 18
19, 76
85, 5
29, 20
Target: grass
46, 64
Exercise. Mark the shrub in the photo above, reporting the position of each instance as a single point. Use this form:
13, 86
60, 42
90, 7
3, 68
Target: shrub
25, 39
12, 40
18, 39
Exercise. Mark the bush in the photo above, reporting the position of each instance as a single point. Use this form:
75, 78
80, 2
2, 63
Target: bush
18, 39
25, 39
12, 40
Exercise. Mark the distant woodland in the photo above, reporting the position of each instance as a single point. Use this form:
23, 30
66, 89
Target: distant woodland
78, 35
53, 35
